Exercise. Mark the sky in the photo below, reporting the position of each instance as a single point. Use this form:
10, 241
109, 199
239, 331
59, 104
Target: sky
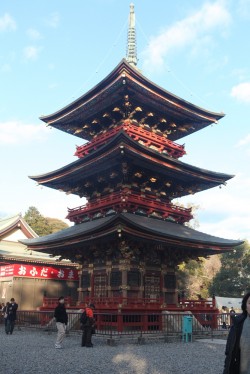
52, 52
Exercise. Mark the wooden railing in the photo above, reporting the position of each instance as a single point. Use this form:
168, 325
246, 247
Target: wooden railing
197, 304
145, 137
129, 302
52, 302
117, 323
131, 200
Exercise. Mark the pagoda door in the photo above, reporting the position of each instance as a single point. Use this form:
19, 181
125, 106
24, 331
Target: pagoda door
152, 287
100, 285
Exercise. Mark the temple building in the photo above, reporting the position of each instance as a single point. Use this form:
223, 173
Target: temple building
30, 276
129, 237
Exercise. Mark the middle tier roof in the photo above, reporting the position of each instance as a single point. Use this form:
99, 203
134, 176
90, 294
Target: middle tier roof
123, 161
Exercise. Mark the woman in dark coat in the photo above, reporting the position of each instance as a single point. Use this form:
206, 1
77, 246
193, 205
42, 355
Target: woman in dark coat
11, 316
234, 356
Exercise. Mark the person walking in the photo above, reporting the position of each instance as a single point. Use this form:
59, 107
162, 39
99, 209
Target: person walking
232, 315
11, 316
4, 314
88, 324
61, 318
224, 317
237, 352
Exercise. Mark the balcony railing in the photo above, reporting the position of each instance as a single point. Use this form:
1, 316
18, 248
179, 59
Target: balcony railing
130, 201
145, 137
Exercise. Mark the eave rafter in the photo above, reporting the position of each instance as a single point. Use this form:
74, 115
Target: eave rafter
118, 95
126, 228
143, 166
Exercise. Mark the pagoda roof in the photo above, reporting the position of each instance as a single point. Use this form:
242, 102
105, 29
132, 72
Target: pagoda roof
122, 148
13, 229
13, 252
10, 224
126, 80
143, 228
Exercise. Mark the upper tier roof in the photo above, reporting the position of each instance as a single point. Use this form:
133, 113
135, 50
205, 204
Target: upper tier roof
125, 90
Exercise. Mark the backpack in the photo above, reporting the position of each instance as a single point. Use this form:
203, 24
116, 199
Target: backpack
83, 318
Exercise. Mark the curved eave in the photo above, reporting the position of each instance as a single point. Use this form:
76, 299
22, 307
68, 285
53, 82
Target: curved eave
82, 168
135, 225
16, 222
14, 259
98, 99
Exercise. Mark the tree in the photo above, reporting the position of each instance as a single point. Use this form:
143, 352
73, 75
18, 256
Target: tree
195, 276
56, 224
193, 223
234, 276
41, 225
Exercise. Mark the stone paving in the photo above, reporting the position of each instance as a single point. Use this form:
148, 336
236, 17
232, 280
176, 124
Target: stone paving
27, 352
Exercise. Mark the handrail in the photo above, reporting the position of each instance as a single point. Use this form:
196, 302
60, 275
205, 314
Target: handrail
124, 322
125, 198
137, 133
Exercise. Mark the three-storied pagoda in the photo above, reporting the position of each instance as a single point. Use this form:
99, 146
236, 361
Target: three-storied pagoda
129, 237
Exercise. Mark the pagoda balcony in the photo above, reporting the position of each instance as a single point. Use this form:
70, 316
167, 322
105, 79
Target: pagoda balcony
137, 133
131, 202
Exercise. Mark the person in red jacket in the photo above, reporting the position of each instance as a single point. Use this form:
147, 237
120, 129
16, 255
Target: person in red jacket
88, 326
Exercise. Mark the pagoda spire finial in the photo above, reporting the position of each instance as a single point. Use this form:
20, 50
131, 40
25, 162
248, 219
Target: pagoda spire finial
131, 46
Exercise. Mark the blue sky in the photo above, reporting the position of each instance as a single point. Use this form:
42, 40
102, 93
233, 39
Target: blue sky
52, 52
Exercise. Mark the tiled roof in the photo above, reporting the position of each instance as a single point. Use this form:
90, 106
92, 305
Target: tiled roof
9, 223
159, 229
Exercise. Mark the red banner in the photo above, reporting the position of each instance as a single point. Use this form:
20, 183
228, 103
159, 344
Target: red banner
41, 272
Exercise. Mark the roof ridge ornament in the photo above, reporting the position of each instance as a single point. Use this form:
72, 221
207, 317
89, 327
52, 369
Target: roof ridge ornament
131, 46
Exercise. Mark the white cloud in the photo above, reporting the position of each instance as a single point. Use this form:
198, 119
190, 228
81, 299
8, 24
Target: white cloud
7, 23
225, 212
240, 73
234, 227
16, 132
244, 141
52, 86
241, 92
193, 30
31, 52
61, 203
53, 20
34, 34
5, 68
244, 8
51, 66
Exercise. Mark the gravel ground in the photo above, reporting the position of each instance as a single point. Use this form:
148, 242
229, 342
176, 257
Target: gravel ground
33, 352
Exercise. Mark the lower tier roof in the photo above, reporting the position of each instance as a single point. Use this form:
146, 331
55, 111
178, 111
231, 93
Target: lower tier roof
130, 225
